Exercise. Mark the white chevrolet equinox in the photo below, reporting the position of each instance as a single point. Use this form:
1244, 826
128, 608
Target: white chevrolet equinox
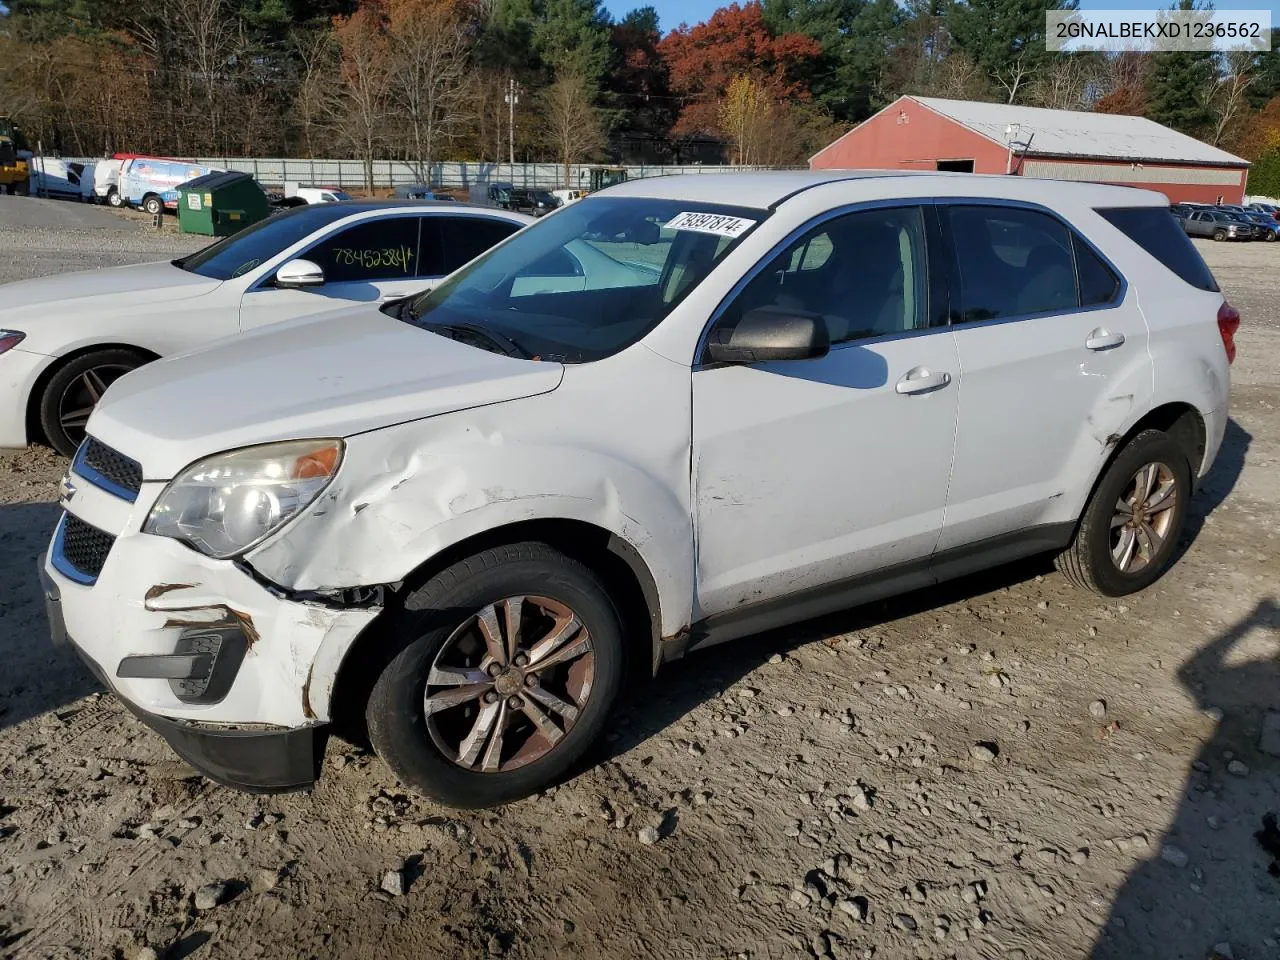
674, 413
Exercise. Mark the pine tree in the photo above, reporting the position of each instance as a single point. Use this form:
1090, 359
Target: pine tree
1006, 38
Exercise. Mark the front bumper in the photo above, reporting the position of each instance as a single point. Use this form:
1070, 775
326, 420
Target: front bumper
256, 760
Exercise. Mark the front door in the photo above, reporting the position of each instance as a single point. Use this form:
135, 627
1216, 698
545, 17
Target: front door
1054, 353
367, 262
811, 474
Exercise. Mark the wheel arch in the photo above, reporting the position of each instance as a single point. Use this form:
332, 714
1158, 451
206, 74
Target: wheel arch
625, 574
35, 432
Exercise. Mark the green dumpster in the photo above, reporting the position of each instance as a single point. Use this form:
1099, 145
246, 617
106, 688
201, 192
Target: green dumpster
220, 204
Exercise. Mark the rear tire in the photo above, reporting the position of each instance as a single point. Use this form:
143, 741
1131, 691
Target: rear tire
72, 393
1114, 553
114, 199
153, 205
517, 722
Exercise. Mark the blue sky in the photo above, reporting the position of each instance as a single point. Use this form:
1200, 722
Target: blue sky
672, 12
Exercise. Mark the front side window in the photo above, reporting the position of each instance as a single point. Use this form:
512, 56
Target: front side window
864, 273
381, 249
589, 281
1010, 262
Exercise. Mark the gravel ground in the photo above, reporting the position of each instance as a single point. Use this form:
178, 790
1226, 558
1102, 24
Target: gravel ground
1001, 767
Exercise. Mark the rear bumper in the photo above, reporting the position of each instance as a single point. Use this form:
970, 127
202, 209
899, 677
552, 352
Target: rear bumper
256, 758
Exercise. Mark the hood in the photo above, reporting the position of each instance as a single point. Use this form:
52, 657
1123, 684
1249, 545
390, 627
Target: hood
115, 286
343, 373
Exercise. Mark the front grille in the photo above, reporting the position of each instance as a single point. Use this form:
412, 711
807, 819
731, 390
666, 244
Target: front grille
80, 550
108, 469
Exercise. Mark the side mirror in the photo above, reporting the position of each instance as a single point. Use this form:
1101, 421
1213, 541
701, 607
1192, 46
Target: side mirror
300, 273
771, 333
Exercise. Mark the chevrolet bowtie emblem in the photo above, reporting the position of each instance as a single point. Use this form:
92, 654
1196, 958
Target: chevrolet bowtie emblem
66, 490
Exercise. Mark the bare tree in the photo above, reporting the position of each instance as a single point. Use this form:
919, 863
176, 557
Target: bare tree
317, 50
209, 39
574, 127
1227, 99
1014, 77
358, 109
1065, 84
429, 73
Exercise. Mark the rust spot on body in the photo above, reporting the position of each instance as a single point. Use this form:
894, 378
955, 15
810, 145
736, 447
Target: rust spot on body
230, 617
306, 699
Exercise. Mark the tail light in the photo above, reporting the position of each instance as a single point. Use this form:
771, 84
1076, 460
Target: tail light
1228, 324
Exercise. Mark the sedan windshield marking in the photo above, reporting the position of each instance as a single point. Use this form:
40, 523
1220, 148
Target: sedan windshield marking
715, 223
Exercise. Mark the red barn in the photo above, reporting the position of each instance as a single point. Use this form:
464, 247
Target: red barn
927, 133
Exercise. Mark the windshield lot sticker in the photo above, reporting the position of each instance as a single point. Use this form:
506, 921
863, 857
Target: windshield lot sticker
715, 223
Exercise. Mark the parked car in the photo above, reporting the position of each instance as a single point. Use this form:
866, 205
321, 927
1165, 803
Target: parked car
1181, 211
536, 202
64, 339
319, 195
496, 194
567, 197
1266, 227
462, 517
1219, 225
1270, 209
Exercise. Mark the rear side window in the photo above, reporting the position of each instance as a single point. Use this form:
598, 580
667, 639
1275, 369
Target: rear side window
1098, 284
1011, 262
1156, 231
465, 238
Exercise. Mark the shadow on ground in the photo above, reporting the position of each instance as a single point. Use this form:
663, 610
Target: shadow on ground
36, 677
1208, 881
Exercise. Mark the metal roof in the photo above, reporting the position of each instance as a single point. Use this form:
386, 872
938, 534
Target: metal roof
1074, 133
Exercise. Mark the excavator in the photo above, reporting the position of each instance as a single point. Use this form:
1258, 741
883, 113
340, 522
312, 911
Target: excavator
13, 164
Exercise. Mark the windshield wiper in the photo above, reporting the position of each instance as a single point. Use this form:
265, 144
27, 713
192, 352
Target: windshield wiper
470, 333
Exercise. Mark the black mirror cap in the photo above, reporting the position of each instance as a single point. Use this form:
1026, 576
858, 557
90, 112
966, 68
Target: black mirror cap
772, 333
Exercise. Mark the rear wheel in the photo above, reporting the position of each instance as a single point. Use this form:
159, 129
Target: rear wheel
153, 204
1129, 531
72, 393
114, 199
510, 663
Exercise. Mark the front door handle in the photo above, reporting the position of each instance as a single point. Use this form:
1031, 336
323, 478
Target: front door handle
922, 380
1103, 339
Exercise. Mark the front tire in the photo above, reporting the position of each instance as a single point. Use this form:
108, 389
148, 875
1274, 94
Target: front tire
1127, 537
1219, 235
509, 664
72, 393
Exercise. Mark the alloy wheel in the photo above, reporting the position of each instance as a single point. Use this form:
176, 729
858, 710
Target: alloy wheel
82, 395
1143, 517
508, 685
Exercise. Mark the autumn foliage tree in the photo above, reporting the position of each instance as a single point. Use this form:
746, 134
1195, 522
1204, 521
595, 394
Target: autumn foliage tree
704, 59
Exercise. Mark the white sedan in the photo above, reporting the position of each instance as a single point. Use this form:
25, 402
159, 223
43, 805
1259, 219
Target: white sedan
64, 339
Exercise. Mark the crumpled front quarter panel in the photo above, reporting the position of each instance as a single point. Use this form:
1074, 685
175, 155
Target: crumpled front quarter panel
609, 447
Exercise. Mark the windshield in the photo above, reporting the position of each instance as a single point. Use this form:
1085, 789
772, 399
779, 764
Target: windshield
241, 252
588, 282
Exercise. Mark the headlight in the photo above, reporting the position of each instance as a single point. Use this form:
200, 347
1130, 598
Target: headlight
10, 339
227, 503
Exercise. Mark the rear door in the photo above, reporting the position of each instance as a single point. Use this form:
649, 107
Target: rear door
1053, 358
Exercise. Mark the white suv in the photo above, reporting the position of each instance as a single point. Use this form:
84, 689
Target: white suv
674, 413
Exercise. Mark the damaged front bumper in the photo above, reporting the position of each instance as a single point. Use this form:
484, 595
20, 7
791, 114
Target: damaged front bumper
235, 675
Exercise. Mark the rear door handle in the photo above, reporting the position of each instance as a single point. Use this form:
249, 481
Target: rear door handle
921, 380
1103, 339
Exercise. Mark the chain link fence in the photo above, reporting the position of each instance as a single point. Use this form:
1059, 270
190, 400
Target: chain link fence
275, 172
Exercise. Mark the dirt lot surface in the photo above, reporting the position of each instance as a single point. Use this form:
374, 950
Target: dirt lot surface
815, 791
